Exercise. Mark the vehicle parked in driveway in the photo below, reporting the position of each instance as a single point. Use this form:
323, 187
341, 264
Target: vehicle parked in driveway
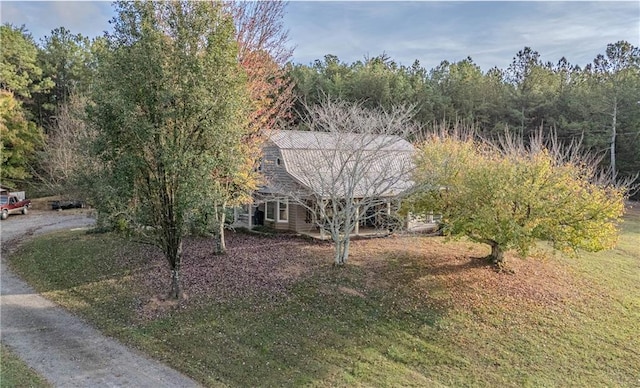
11, 204
64, 205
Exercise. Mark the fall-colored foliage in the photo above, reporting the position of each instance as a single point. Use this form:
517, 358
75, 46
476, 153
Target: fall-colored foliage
19, 139
263, 53
510, 194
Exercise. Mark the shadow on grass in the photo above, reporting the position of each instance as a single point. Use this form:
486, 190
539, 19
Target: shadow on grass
373, 322
313, 336
273, 311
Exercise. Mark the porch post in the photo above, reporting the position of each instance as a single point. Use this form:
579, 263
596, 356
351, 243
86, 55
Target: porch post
323, 204
357, 230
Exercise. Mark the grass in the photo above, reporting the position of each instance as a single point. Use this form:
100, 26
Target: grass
407, 311
15, 373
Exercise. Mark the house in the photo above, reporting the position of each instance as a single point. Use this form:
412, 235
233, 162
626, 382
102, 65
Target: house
312, 167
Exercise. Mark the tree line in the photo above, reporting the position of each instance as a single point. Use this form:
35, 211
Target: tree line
599, 102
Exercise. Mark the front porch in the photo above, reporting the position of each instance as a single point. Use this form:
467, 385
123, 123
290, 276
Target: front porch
297, 219
362, 232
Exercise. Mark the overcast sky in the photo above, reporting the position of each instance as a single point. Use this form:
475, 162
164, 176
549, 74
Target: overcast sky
490, 32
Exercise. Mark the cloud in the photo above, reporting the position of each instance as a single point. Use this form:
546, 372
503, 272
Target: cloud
490, 32
577, 31
89, 18
83, 16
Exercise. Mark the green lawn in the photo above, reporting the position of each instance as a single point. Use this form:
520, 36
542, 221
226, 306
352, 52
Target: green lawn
407, 311
16, 374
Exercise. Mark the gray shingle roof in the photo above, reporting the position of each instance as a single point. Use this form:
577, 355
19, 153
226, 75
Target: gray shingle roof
328, 162
331, 140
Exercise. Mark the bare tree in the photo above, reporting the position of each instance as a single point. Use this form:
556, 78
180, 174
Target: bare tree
260, 27
65, 152
354, 163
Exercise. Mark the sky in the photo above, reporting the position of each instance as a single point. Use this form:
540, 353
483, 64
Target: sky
491, 33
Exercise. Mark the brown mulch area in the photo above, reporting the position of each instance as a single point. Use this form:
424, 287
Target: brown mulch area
428, 270
252, 265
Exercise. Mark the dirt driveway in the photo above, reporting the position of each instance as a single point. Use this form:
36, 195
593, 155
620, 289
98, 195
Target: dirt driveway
41, 221
61, 347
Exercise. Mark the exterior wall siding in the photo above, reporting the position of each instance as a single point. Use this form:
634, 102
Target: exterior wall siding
279, 180
297, 217
276, 174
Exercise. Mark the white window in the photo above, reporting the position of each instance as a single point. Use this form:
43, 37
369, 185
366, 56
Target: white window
277, 210
283, 210
271, 210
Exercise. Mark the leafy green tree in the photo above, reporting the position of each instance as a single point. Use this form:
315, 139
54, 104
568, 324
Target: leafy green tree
509, 195
171, 105
19, 69
322, 78
494, 111
566, 113
533, 91
20, 140
20, 76
421, 92
466, 80
460, 87
378, 83
375, 83
615, 72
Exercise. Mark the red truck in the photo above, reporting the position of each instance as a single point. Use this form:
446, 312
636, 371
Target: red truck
10, 204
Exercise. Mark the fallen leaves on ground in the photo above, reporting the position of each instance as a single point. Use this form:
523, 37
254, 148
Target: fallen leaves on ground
416, 270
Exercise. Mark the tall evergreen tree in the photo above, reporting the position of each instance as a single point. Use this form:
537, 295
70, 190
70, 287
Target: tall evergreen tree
65, 58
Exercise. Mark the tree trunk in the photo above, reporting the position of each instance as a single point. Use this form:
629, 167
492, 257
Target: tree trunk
497, 255
341, 247
175, 260
221, 246
174, 293
613, 136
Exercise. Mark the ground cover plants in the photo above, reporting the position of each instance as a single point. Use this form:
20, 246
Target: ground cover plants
407, 311
15, 373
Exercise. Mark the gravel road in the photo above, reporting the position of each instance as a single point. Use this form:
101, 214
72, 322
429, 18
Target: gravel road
61, 347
